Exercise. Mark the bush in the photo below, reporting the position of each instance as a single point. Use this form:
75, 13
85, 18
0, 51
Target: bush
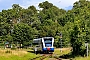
13, 48
8, 51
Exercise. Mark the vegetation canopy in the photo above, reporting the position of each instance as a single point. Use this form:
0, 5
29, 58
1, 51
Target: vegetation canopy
21, 26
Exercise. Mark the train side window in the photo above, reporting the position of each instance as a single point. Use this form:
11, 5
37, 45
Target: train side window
37, 46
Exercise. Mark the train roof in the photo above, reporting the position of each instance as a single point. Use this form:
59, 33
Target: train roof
37, 40
47, 37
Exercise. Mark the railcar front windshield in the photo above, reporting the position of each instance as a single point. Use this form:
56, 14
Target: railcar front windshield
48, 42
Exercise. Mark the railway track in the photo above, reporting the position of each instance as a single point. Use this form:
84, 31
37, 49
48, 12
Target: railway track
44, 56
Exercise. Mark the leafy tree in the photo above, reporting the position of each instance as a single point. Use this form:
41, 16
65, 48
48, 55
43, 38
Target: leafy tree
45, 5
33, 8
49, 11
78, 38
23, 33
48, 28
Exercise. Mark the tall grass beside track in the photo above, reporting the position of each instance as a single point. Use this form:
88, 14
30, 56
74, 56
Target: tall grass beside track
64, 51
7, 54
82, 58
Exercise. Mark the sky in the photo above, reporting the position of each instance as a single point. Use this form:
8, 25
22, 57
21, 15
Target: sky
64, 4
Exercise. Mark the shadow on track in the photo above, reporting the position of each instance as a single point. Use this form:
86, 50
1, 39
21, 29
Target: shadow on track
39, 52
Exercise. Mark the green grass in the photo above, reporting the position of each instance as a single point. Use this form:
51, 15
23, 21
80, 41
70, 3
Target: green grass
82, 58
15, 57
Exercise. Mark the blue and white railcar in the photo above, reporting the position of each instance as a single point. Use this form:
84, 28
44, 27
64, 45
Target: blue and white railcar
48, 44
44, 44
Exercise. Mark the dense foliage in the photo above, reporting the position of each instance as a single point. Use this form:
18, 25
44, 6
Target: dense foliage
23, 25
